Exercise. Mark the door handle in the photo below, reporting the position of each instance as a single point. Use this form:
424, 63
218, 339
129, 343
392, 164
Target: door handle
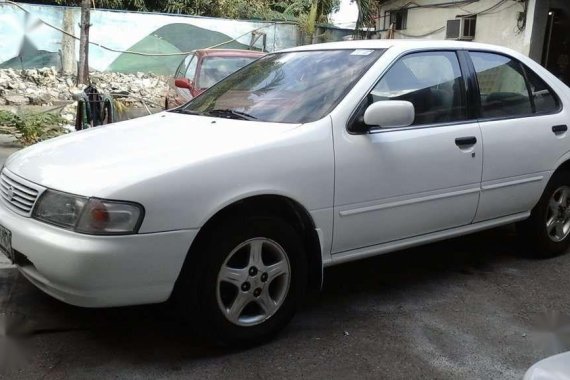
560, 128
464, 142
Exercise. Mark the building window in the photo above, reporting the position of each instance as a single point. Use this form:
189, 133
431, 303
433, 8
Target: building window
461, 28
469, 24
398, 17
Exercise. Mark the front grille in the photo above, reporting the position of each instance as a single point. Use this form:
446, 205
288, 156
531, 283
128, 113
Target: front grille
19, 196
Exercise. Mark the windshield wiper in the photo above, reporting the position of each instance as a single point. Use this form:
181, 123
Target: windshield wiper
231, 114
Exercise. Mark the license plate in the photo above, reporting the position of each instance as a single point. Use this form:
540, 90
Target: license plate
6, 243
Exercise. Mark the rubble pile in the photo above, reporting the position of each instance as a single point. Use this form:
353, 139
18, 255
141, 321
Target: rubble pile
48, 87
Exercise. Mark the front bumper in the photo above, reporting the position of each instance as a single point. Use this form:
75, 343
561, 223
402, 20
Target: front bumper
97, 271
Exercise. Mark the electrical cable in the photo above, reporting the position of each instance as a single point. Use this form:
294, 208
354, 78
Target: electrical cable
491, 10
451, 5
421, 35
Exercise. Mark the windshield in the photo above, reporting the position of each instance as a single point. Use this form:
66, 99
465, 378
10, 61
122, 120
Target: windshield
214, 69
293, 87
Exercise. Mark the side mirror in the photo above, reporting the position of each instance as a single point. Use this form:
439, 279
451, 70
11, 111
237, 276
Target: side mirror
390, 114
183, 83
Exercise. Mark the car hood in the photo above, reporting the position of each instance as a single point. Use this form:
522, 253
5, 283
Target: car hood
98, 161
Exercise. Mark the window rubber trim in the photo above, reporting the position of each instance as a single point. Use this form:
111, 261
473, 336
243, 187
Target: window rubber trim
473, 95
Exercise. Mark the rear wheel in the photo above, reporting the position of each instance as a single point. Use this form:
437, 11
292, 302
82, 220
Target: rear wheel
245, 282
548, 228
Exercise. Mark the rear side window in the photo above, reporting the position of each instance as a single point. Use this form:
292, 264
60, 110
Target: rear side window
431, 81
502, 86
544, 99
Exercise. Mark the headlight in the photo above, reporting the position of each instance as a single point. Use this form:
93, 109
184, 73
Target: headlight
59, 208
89, 216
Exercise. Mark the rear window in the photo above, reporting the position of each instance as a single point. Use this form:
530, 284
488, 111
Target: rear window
214, 69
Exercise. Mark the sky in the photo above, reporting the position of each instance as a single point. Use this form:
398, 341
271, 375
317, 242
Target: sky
346, 16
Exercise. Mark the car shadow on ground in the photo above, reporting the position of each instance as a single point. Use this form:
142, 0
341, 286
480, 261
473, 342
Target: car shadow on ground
137, 334
469, 254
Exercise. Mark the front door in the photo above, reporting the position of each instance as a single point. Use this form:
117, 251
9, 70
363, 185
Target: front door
397, 183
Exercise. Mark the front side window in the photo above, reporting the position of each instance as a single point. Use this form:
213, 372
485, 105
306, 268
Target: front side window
181, 69
431, 81
502, 86
191, 68
290, 87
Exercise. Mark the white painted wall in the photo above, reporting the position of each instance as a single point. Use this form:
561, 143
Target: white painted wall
497, 26
120, 31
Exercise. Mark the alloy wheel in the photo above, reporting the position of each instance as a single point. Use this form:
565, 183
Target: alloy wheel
253, 282
558, 214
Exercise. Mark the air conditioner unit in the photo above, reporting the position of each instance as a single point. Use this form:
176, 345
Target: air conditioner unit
462, 28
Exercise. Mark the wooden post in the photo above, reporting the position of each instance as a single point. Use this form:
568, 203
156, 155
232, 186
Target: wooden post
83, 69
68, 61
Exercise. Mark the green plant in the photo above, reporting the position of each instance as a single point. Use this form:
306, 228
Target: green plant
30, 128
241, 9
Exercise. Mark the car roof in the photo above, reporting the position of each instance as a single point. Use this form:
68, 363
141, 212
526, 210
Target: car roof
229, 53
406, 44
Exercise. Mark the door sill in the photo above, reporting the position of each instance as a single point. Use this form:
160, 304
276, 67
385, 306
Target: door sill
362, 253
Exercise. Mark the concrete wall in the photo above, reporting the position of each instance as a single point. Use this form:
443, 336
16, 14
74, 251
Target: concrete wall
27, 43
497, 26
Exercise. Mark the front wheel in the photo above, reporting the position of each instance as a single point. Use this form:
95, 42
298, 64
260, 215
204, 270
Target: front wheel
246, 280
548, 228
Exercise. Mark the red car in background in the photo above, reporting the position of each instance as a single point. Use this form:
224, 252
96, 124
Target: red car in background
204, 68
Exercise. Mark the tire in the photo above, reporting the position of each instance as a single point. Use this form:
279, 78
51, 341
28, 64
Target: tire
208, 302
547, 231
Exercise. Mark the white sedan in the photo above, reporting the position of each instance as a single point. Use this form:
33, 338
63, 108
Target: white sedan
234, 203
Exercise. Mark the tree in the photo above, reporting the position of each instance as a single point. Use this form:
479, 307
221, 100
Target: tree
365, 15
68, 62
320, 9
310, 13
243, 9
83, 69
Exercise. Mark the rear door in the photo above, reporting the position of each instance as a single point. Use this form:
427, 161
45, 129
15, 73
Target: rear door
524, 134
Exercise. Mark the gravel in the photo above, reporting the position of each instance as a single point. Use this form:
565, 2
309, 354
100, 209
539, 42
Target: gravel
47, 87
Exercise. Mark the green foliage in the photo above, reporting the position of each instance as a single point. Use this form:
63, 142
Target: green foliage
237, 9
307, 13
365, 14
31, 127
